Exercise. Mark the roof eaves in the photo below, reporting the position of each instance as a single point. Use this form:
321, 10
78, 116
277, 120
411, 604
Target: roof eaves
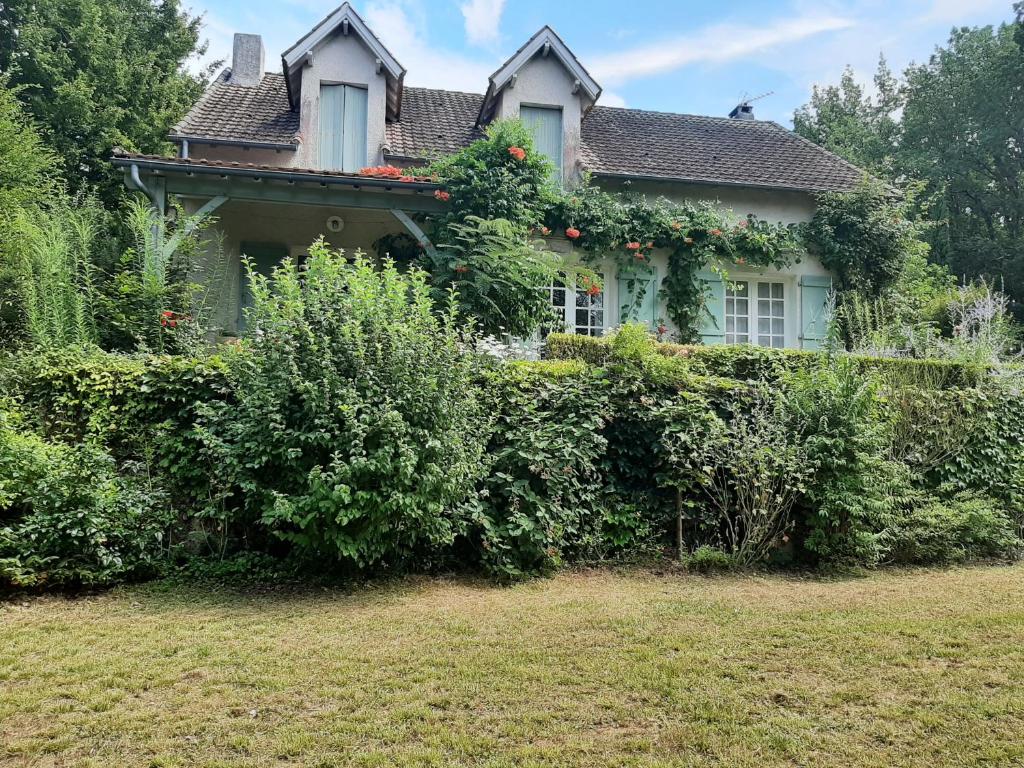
710, 181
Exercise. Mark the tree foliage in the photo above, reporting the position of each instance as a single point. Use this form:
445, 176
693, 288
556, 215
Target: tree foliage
97, 74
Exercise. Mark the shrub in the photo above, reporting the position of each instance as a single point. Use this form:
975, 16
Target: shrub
707, 559
965, 527
356, 434
67, 519
543, 498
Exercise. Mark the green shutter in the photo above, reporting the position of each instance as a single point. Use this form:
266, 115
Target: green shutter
332, 112
638, 296
354, 144
263, 257
712, 314
343, 110
545, 124
814, 319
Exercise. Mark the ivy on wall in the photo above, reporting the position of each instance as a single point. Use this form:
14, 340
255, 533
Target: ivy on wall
862, 235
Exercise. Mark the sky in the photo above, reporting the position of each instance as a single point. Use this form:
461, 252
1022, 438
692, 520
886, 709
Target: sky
691, 56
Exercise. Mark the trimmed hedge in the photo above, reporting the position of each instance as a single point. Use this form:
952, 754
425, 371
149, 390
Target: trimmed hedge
746, 362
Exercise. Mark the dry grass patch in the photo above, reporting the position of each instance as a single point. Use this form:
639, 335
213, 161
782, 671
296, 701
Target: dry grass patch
597, 669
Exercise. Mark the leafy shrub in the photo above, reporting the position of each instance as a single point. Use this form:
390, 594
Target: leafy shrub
707, 559
495, 272
68, 519
964, 527
542, 498
356, 434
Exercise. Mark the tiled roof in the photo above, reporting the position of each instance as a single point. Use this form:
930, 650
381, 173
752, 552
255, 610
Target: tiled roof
720, 150
621, 142
433, 123
227, 112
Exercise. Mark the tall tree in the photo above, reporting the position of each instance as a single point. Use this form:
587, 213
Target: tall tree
96, 74
963, 134
855, 125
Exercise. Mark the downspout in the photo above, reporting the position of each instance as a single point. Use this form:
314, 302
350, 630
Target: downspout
158, 225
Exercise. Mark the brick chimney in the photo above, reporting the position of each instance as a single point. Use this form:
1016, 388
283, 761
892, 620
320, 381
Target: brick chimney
743, 111
247, 60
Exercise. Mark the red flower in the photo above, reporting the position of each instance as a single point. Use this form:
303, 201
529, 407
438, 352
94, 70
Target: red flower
716, 232
517, 152
743, 224
662, 330
633, 246
639, 256
441, 195
462, 269
545, 231
388, 171
593, 290
572, 233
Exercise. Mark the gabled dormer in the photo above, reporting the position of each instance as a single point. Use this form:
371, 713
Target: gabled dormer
345, 84
544, 85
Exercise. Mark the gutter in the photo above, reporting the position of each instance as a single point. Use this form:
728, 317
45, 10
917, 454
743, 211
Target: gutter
279, 145
710, 183
290, 177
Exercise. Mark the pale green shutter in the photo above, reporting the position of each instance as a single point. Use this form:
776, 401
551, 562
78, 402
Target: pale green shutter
814, 318
332, 112
343, 110
638, 296
545, 124
263, 257
354, 145
712, 313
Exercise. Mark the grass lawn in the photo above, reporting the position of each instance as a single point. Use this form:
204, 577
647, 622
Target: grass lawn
604, 668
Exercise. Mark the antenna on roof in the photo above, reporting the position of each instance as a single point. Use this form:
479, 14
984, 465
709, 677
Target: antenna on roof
745, 110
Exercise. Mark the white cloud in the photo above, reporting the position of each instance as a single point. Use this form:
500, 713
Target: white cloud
711, 45
427, 65
482, 20
611, 99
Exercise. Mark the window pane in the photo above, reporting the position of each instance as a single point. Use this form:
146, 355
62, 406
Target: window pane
763, 291
776, 290
777, 308
764, 325
742, 306
730, 324
581, 316
777, 327
764, 341
764, 307
743, 324
558, 297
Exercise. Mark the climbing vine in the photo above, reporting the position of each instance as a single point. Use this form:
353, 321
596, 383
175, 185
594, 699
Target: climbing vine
628, 229
861, 235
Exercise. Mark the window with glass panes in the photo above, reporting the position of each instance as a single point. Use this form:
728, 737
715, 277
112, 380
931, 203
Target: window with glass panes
576, 309
759, 318
771, 315
589, 317
737, 312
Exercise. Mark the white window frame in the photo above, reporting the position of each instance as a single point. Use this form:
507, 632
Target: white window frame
572, 294
760, 310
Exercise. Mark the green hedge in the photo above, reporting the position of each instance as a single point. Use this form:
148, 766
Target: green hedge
745, 362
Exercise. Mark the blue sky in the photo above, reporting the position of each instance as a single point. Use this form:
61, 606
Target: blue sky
686, 56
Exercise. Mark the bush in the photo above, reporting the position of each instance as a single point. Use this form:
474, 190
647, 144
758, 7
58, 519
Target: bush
357, 433
67, 519
707, 559
938, 531
543, 498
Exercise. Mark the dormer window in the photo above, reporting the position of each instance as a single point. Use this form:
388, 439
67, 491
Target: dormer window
342, 127
545, 124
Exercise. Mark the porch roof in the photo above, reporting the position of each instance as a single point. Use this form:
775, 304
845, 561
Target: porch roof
190, 177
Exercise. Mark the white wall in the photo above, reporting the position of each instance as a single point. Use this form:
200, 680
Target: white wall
544, 82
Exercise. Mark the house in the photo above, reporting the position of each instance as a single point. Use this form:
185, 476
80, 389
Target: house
278, 155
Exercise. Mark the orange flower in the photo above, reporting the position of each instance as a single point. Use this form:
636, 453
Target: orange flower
441, 195
545, 231
716, 232
572, 233
639, 256
633, 246
517, 152
462, 269
593, 290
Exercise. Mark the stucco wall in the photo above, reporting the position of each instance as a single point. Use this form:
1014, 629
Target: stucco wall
544, 82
